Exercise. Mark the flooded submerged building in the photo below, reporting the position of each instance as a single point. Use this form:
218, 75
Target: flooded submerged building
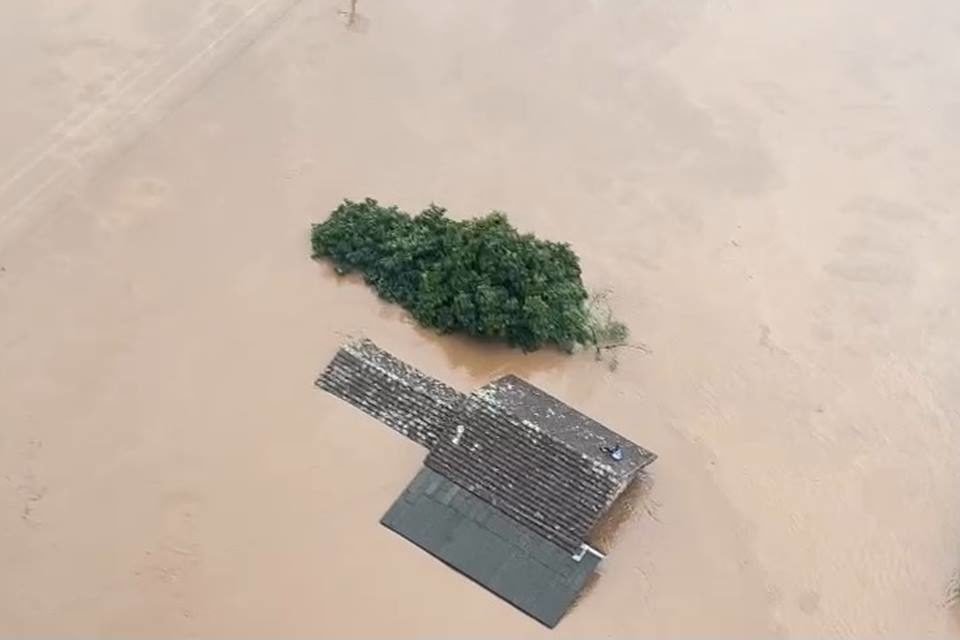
513, 482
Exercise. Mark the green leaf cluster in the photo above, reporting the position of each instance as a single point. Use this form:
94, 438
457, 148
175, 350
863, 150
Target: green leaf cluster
480, 276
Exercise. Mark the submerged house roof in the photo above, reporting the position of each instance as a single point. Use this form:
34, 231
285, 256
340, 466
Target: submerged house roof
514, 479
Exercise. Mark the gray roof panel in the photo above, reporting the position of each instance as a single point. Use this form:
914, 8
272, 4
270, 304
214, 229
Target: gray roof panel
467, 533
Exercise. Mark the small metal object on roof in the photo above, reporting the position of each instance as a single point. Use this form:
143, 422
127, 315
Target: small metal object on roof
513, 483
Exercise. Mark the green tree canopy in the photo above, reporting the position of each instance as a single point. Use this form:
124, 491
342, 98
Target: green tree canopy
479, 276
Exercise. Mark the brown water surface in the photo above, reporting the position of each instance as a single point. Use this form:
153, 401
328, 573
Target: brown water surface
769, 189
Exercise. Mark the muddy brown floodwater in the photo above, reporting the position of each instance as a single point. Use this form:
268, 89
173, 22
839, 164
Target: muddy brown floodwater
769, 189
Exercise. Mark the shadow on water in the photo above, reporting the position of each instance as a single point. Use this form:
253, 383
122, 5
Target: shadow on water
484, 360
481, 360
633, 502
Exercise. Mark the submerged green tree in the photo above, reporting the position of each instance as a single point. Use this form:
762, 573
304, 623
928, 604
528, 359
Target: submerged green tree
480, 276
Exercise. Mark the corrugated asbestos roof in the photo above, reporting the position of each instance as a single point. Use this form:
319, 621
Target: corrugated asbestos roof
581, 433
521, 469
400, 396
514, 481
